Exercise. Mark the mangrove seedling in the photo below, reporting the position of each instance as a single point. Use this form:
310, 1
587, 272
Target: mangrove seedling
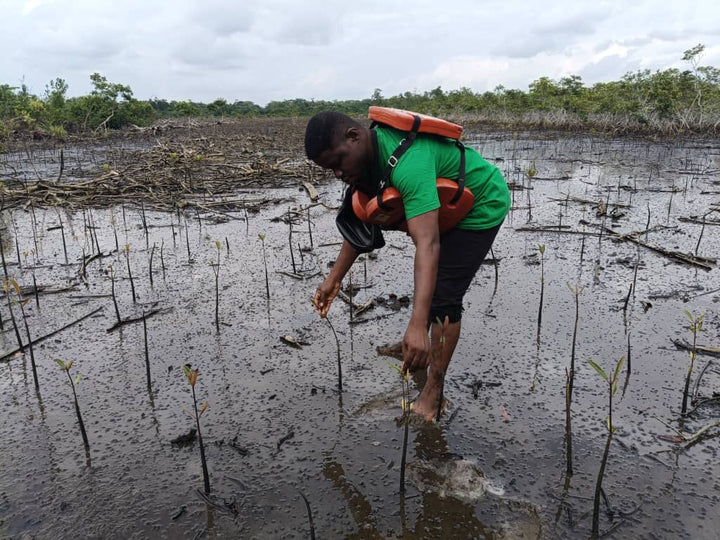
191, 375
21, 302
152, 253
570, 381
113, 222
612, 385
6, 286
216, 270
267, 282
147, 355
62, 233
132, 283
337, 344
292, 254
541, 249
73, 383
696, 324
162, 258
112, 291
405, 378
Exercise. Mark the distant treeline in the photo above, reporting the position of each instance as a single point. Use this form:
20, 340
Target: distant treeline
670, 100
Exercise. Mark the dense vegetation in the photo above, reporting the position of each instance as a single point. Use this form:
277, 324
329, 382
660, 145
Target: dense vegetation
670, 100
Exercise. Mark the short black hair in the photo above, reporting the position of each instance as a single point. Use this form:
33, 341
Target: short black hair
322, 131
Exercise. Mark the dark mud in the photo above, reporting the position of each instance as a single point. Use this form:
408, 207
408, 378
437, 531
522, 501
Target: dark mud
276, 427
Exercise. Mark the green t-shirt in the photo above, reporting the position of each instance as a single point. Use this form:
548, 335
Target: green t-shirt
431, 157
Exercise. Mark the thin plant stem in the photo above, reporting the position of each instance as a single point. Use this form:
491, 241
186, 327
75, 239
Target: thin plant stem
339, 364
152, 253
112, 290
86, 443
132, 283
206, 475
147, 354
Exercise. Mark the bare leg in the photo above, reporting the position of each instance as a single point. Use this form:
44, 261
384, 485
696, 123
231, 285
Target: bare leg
426, 405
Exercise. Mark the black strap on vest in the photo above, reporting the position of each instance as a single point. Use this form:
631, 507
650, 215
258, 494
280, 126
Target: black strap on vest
398, 153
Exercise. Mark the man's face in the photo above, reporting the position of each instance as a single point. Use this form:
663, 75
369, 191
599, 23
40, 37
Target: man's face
347, 159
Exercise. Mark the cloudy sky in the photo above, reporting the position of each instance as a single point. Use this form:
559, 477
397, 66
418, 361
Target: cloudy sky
265, 50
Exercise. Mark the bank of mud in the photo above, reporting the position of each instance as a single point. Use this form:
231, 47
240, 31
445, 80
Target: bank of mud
494, 466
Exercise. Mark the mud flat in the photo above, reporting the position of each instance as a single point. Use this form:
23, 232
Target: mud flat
633, 223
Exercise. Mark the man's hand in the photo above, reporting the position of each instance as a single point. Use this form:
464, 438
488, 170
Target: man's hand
324, 296
415, 347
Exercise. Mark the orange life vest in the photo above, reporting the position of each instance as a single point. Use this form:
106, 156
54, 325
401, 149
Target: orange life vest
386, 209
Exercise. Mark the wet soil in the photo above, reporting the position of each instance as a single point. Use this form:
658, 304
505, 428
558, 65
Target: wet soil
277, 430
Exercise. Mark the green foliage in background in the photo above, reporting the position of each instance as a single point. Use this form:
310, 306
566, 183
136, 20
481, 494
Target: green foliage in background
688, 99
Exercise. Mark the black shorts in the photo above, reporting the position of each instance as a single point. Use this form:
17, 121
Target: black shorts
461, 254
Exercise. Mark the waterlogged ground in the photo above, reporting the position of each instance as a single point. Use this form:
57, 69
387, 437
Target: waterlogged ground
277, 429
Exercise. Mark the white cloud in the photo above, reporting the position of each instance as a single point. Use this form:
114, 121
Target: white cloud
262, 50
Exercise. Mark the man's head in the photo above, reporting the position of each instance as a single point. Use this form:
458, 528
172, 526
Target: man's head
337, 142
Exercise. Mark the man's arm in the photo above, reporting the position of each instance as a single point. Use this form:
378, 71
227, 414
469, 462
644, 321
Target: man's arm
425, 234
328, 289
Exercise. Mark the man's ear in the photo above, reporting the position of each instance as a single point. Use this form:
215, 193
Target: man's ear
352, 134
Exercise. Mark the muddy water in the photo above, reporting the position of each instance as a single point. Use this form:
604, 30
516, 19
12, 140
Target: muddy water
276, 427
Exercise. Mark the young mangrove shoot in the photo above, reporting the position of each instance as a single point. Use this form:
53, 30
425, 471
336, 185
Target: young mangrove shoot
337, 344
21, 302
696, 324
132, 283
267, 282
216, 270
570, 381
405, 379
612, 385
541, 249
191, 375
73, 383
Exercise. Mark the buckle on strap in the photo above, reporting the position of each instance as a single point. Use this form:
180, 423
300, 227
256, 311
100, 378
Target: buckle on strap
392, 161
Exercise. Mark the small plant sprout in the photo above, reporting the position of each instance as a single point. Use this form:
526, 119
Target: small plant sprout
21, 302
337, 344
150, 264
132, 283
612, 383
216, 270
112, 291
73, 383
541, 249
696, 324
405, 378
191, 375
267, 282
6, 286
570, 381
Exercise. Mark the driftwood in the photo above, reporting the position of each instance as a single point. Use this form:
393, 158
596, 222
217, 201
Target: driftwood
700, 349
7, 356
687, 258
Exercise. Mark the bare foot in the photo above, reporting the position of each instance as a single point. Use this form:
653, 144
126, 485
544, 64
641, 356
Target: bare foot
426, 405
391, 349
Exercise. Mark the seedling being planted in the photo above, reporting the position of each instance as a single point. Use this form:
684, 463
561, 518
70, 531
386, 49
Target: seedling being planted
191, 375
405, 377
73, 383
696, 324
612, 383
